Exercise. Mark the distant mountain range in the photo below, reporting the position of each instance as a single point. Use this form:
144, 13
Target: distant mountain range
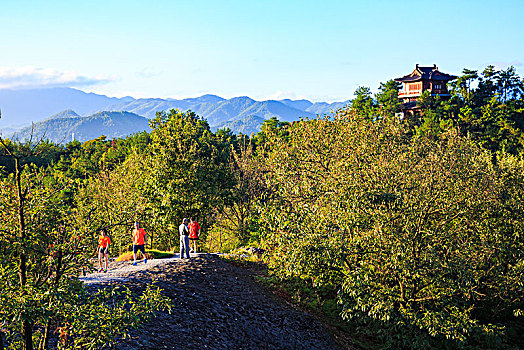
246, 126
240, 114
66, 126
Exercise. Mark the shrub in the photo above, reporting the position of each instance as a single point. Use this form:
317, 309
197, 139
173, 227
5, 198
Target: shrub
416, 232
220, 240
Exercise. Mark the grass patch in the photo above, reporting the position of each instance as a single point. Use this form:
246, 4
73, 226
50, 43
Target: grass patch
150, 254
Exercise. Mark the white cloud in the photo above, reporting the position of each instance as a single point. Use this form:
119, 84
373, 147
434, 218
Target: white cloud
149, 72
31, 77
504, 65
281, 95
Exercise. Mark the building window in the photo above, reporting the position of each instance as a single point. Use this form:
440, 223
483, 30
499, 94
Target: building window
437, 86
415, 87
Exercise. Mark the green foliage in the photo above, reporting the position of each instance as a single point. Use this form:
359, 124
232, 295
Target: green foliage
41, 154
221, 240
113, 200
364, 103
239, 218
188, 173
43, 250
492, 112
102, 318
388, 96
270, 127
403, 227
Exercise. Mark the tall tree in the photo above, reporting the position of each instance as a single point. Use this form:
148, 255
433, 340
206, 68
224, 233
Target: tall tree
363, 102
409, 231
387, 96
189, 172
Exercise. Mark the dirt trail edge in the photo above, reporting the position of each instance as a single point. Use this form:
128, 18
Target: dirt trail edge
215, 306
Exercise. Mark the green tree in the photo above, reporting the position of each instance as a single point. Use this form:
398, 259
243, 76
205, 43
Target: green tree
238, 217
113, 200
271, 126
189, 175
363, 103
42, 253
387, 97
509, 84
402, 227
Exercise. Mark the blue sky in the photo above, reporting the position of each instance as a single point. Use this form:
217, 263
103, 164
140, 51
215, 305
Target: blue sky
319, 50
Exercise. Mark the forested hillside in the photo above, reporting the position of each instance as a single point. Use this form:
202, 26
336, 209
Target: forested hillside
409, 230
247, 126
64, 126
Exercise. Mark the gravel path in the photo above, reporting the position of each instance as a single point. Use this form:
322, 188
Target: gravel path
215, 306
120, 271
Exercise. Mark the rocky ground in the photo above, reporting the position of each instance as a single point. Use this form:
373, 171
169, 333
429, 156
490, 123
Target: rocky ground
215, 306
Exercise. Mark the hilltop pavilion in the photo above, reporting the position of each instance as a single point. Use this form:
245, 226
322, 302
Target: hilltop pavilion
420, 80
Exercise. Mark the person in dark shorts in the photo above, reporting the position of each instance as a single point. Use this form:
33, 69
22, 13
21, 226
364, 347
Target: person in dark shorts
103, 249
139, 242
194, 233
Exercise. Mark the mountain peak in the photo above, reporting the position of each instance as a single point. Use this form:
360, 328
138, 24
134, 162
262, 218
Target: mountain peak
207, 98
68, 113
242, 99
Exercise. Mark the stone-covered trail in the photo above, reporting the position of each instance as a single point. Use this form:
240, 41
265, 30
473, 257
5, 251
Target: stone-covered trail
215, 306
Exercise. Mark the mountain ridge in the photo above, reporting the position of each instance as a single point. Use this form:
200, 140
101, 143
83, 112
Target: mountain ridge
63, 129
22, 107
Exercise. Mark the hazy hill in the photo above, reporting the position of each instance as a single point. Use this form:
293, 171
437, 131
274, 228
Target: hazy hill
204, 99
297, 104
68, 113
240, 107
326, 108
110, 124
246, 126
147, 107
31, 105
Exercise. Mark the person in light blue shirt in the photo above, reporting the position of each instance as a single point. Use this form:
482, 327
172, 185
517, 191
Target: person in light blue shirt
184, 239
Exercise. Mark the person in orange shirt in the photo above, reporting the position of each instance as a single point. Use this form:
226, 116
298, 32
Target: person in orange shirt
139, 242
103, 249
194, 233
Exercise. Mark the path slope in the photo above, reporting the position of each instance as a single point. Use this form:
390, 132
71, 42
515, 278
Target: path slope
217, 306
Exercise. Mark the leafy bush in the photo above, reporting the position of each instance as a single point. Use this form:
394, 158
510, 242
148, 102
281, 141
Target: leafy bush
106, 316
220, 240
42, 252
416, 232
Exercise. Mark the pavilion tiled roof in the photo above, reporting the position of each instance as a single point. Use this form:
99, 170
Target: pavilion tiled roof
426, 73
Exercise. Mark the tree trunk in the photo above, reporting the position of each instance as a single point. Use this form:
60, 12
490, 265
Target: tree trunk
58, 275
27, 335
27, 327
22, 271
45, 341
